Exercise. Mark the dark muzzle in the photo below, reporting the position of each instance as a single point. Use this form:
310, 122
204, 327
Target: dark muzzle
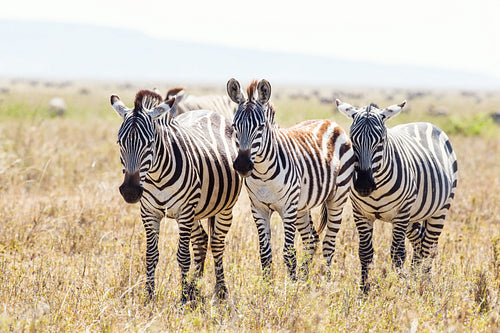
364, 183
131, 189
243, 164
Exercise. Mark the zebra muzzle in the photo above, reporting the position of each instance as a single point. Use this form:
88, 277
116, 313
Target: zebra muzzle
243, 164
364, 183
131, 189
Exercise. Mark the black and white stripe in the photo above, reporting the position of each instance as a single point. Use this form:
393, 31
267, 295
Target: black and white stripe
290, 171
406, 175
179, 167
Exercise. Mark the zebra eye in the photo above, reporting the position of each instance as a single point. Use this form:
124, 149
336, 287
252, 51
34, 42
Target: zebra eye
260, 127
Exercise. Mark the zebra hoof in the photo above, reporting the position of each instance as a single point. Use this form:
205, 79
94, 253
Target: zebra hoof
190, 294
221, 292
365, 289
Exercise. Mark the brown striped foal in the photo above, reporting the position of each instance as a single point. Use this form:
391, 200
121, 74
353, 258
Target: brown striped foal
290, 171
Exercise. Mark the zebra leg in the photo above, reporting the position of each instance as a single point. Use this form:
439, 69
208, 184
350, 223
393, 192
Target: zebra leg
334, 209
310, 239
414, 234
199, 241
221, 227
289, 218
398, 250
185, 222
430, 234
365, 251
151, 221
262, 217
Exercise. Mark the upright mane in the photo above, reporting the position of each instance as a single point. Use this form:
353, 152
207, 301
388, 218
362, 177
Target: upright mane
251, 89
146, 99
369, 108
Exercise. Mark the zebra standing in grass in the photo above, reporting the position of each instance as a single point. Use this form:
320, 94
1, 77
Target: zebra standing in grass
406, 175
217, 103
290, 171
179, 167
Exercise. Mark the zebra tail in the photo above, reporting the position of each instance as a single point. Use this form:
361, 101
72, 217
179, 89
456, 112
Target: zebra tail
323, 219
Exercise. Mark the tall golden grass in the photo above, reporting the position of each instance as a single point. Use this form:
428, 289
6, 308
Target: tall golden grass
72, 252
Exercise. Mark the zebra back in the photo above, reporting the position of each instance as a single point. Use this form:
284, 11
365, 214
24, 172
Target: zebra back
185, 103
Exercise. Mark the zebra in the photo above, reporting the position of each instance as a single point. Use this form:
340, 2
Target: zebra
406, 175
290, 171
184, 103
179, 167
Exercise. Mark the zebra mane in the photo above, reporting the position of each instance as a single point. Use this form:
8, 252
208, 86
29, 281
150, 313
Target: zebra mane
270, 114
146, 99
251, 89
369, 108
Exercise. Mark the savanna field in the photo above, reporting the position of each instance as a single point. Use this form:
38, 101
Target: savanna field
72, 252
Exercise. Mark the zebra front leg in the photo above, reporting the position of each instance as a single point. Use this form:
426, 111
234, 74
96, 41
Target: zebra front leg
185, 221
289, 253
199, 241
310, 239
365, 251
221, 227
151, 222
262, 218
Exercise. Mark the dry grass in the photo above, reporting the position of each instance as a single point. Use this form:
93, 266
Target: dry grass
72, 252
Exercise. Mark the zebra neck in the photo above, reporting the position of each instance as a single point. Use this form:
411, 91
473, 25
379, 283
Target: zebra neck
267, 157
388, 158
167, 151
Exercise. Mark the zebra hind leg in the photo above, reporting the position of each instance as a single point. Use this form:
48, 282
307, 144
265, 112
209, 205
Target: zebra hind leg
310, 240
221, 224
199, 241
415, 234
430, 234
333, 215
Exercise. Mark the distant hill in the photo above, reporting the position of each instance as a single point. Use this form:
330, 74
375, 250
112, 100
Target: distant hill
72, 51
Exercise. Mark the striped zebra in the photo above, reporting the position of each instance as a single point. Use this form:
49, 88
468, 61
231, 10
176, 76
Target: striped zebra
290, 171
179, 167
217, 103
405, 175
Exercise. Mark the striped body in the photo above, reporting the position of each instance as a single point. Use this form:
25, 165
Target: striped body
182, 168
406, 175
425, 176
291, 171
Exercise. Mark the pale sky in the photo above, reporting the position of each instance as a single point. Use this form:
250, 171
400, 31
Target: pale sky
448, 34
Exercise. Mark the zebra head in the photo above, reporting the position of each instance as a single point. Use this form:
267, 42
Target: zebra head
369, 136
136, 139
250, 123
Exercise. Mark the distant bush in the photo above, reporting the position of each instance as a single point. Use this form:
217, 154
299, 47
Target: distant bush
473, 125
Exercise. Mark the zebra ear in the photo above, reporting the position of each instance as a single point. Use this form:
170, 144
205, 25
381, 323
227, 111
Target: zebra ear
346, 109
264, 91
234, 91
161, 109
118, 105
179, 96
391, 111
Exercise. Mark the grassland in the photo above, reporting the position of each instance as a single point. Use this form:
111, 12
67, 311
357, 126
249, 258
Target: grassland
72, 251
